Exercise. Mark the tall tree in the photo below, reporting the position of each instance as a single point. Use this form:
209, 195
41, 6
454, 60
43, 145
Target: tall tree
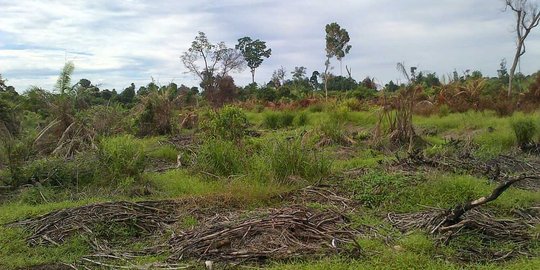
253, 51
217, 61
527, 18
337, 45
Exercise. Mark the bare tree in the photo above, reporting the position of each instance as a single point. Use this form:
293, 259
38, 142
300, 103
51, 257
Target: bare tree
217, 61
337, 45
527, 18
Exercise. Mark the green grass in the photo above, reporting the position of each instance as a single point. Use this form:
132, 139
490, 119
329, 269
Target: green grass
15, 252
445, 191
165, 152
254, 172
181, 183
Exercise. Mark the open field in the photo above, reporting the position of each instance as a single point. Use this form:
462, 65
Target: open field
315, 191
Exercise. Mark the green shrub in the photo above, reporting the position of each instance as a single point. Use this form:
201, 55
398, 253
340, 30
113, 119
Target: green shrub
286, 119
230, 123
354, 104
275, 120
165, 152
524, 129
332, 130
301, 119
13, 153
271, 120
222, 158
123, 157
444, 110
59, 172
285, 159
317, 107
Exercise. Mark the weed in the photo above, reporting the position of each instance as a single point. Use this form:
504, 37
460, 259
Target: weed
122, 156
286, 159
230, 123
524, 129
276, 120
375, 188
222, 158
301, 119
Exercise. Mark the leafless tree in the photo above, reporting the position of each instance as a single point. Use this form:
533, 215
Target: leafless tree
217, 61
527, 18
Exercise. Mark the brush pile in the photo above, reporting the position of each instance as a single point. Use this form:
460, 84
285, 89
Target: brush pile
281, 233
56, 227
495, 168
489, 230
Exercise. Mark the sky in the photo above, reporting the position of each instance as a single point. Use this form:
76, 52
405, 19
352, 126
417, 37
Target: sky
114, 43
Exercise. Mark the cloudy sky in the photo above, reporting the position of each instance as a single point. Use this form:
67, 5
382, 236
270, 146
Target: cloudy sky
114, 43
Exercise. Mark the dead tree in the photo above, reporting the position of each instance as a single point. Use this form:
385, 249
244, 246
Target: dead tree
527, 18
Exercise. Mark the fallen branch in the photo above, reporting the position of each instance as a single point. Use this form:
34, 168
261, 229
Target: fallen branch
454, 215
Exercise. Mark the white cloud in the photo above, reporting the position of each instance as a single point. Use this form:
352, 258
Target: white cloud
118, 42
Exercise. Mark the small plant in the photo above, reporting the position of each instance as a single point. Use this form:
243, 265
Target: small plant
221, 158
275, 120
333, 131
444, 110
524, 129
229, 124
301, 119
122, 156
286, 159
375, 188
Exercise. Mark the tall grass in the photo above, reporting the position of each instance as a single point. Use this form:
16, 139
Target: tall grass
220, 158
122, 157
288, 159
276, 120
525, 129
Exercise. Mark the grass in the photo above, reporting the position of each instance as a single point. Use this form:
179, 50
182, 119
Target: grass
15, 253
445, 191
254, 172
181, 183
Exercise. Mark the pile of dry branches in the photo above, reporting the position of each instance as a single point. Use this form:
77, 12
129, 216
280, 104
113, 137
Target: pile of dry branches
56, 227
496, 169
484, 225
465, 218
279, 233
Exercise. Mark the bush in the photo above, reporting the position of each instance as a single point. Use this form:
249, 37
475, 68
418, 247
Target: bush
317, 107
286, 159
123, 157
444, 110
301, 119
354, 104
275, 120
333, 131
230, 123
59, 172
222, 158
524, 129
154, 114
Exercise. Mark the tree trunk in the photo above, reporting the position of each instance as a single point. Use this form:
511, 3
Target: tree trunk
327, 64
252, 75
514, 66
